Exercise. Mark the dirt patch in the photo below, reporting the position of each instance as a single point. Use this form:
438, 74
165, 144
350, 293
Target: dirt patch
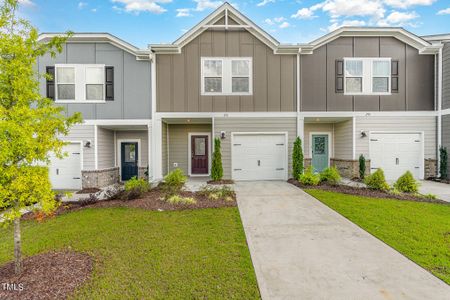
365, 192
223, 181
52, 275
88, 191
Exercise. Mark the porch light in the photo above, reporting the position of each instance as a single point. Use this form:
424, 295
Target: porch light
363, 134
222, 135
87, 144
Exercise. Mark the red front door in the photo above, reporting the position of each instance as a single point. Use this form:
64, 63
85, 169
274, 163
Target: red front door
199, 154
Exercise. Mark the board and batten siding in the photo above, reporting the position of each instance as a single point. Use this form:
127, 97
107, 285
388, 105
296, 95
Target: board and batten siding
83, 133
135, 135
416, 76
105, 144
230, 125
178, 76
317, 128
132, 82
446, 76
446, 134
427, 125
343, 140
178, 144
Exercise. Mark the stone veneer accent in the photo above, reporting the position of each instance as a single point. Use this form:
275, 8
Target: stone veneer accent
141, 172
430, 168
99, 178
349, 168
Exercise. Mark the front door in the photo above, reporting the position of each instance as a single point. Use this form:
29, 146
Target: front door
199, 154
320, 157
129, 160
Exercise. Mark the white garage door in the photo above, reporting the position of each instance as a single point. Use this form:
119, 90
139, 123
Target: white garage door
66, 173
259, 157
397, 153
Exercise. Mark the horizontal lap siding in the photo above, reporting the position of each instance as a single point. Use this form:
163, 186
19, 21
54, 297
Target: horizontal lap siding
446, 133
83, 133
164, 148
230, 125
316, 127
396, 124
343, 140
134, 135
105, 144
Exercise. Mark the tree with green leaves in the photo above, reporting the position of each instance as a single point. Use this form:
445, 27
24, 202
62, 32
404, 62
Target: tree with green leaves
216, 168
297, 159
443, 166
29, 124
362, 166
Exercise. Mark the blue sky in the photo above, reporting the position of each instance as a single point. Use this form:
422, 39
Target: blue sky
142, 22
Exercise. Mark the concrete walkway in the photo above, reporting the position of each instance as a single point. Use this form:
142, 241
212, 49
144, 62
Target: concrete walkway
301, 249
441, 190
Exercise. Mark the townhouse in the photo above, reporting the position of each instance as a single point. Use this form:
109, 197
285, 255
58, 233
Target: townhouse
355, 91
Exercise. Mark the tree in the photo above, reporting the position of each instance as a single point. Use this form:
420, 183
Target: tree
297, 158
29, 124
216, 168
443, 162
362, 166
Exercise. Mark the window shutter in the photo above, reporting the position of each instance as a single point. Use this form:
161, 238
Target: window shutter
394, 76
339, 76
109, 83
50, 82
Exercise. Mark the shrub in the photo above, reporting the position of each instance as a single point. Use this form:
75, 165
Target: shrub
177, 199
443, 156
330, 175
215, 193
309, 177
362, 166
376, 181
134, 188
297, 158
216, 167
406, 183
174, 182
430, 196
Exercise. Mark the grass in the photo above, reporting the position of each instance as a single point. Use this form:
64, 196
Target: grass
420, 231
199, 254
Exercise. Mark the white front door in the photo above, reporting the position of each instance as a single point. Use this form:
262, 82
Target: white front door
259, 157
397, 153
65, 173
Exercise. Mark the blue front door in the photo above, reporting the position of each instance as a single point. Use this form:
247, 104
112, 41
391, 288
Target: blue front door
129, 159
320, 157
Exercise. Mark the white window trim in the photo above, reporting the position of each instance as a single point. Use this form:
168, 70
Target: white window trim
367, 76
190, 134
80, 83
227, 77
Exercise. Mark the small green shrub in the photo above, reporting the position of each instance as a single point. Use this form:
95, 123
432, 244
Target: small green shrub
377, 181
174, 182
297, 158
309, 177
177, 199
216, 167
443, 157
430, 196
406, 183
330, 175
215, 193
134, 188
362, 166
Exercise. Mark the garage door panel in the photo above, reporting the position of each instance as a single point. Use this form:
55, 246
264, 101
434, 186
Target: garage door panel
65, 173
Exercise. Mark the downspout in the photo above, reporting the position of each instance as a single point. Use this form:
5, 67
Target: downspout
300, 120
439, 108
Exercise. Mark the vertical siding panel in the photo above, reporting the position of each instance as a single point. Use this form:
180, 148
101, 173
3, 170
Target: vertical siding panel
313, 73
205, 101
246, 50
192, 81
232, 49
274, 85
179, 88
163, 82
259, 78
446, 77
287, 78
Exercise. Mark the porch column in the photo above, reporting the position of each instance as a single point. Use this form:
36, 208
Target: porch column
301, 128
156, 149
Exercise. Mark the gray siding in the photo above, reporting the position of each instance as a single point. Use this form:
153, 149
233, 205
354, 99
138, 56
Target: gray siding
134, 135
317, 127
132, 82
446, 134
178, 144
83, 133
416, 76
178, 76
343, 140
105, 144
399, 124
446, 76
230, 125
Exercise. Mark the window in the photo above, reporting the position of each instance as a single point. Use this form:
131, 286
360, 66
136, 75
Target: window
226, 76
80, 83
367, 76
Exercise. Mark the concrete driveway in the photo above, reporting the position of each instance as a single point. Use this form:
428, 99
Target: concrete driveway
301, 249
441, 190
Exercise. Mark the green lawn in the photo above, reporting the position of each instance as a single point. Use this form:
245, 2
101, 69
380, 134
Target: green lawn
420, 231
140, 254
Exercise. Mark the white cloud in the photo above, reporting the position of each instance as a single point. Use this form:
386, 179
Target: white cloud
207, 4
82, 5
444, 11
94, 10
137, 6
408, 3
345, 8
264, 2
336, 25
397, 18
304, 13
279, 19
284, 25
269, 22
183, 12
26, 2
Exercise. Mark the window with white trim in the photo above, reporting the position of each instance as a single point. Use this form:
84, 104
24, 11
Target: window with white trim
80, 83
226, 75
367, 76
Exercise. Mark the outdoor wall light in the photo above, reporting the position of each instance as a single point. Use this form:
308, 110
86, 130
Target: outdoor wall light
87, 144
222, 135
363, 134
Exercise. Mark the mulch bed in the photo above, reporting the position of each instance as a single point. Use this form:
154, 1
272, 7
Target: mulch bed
52, 275
365, 192
223, 181
88, 191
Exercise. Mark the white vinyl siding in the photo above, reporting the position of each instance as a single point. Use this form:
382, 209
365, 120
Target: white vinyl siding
83, 133
343, 140
105, 144
141, 135
367, 76
317, 128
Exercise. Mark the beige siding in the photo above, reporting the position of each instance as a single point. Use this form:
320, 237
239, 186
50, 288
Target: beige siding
178, 76
343, 140
230, 125
316, 128
83, 133
164, 152
105, 144
135, 135
178, 143
396, 124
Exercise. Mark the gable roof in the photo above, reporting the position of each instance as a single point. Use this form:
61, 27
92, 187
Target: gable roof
91, 37
239, 22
